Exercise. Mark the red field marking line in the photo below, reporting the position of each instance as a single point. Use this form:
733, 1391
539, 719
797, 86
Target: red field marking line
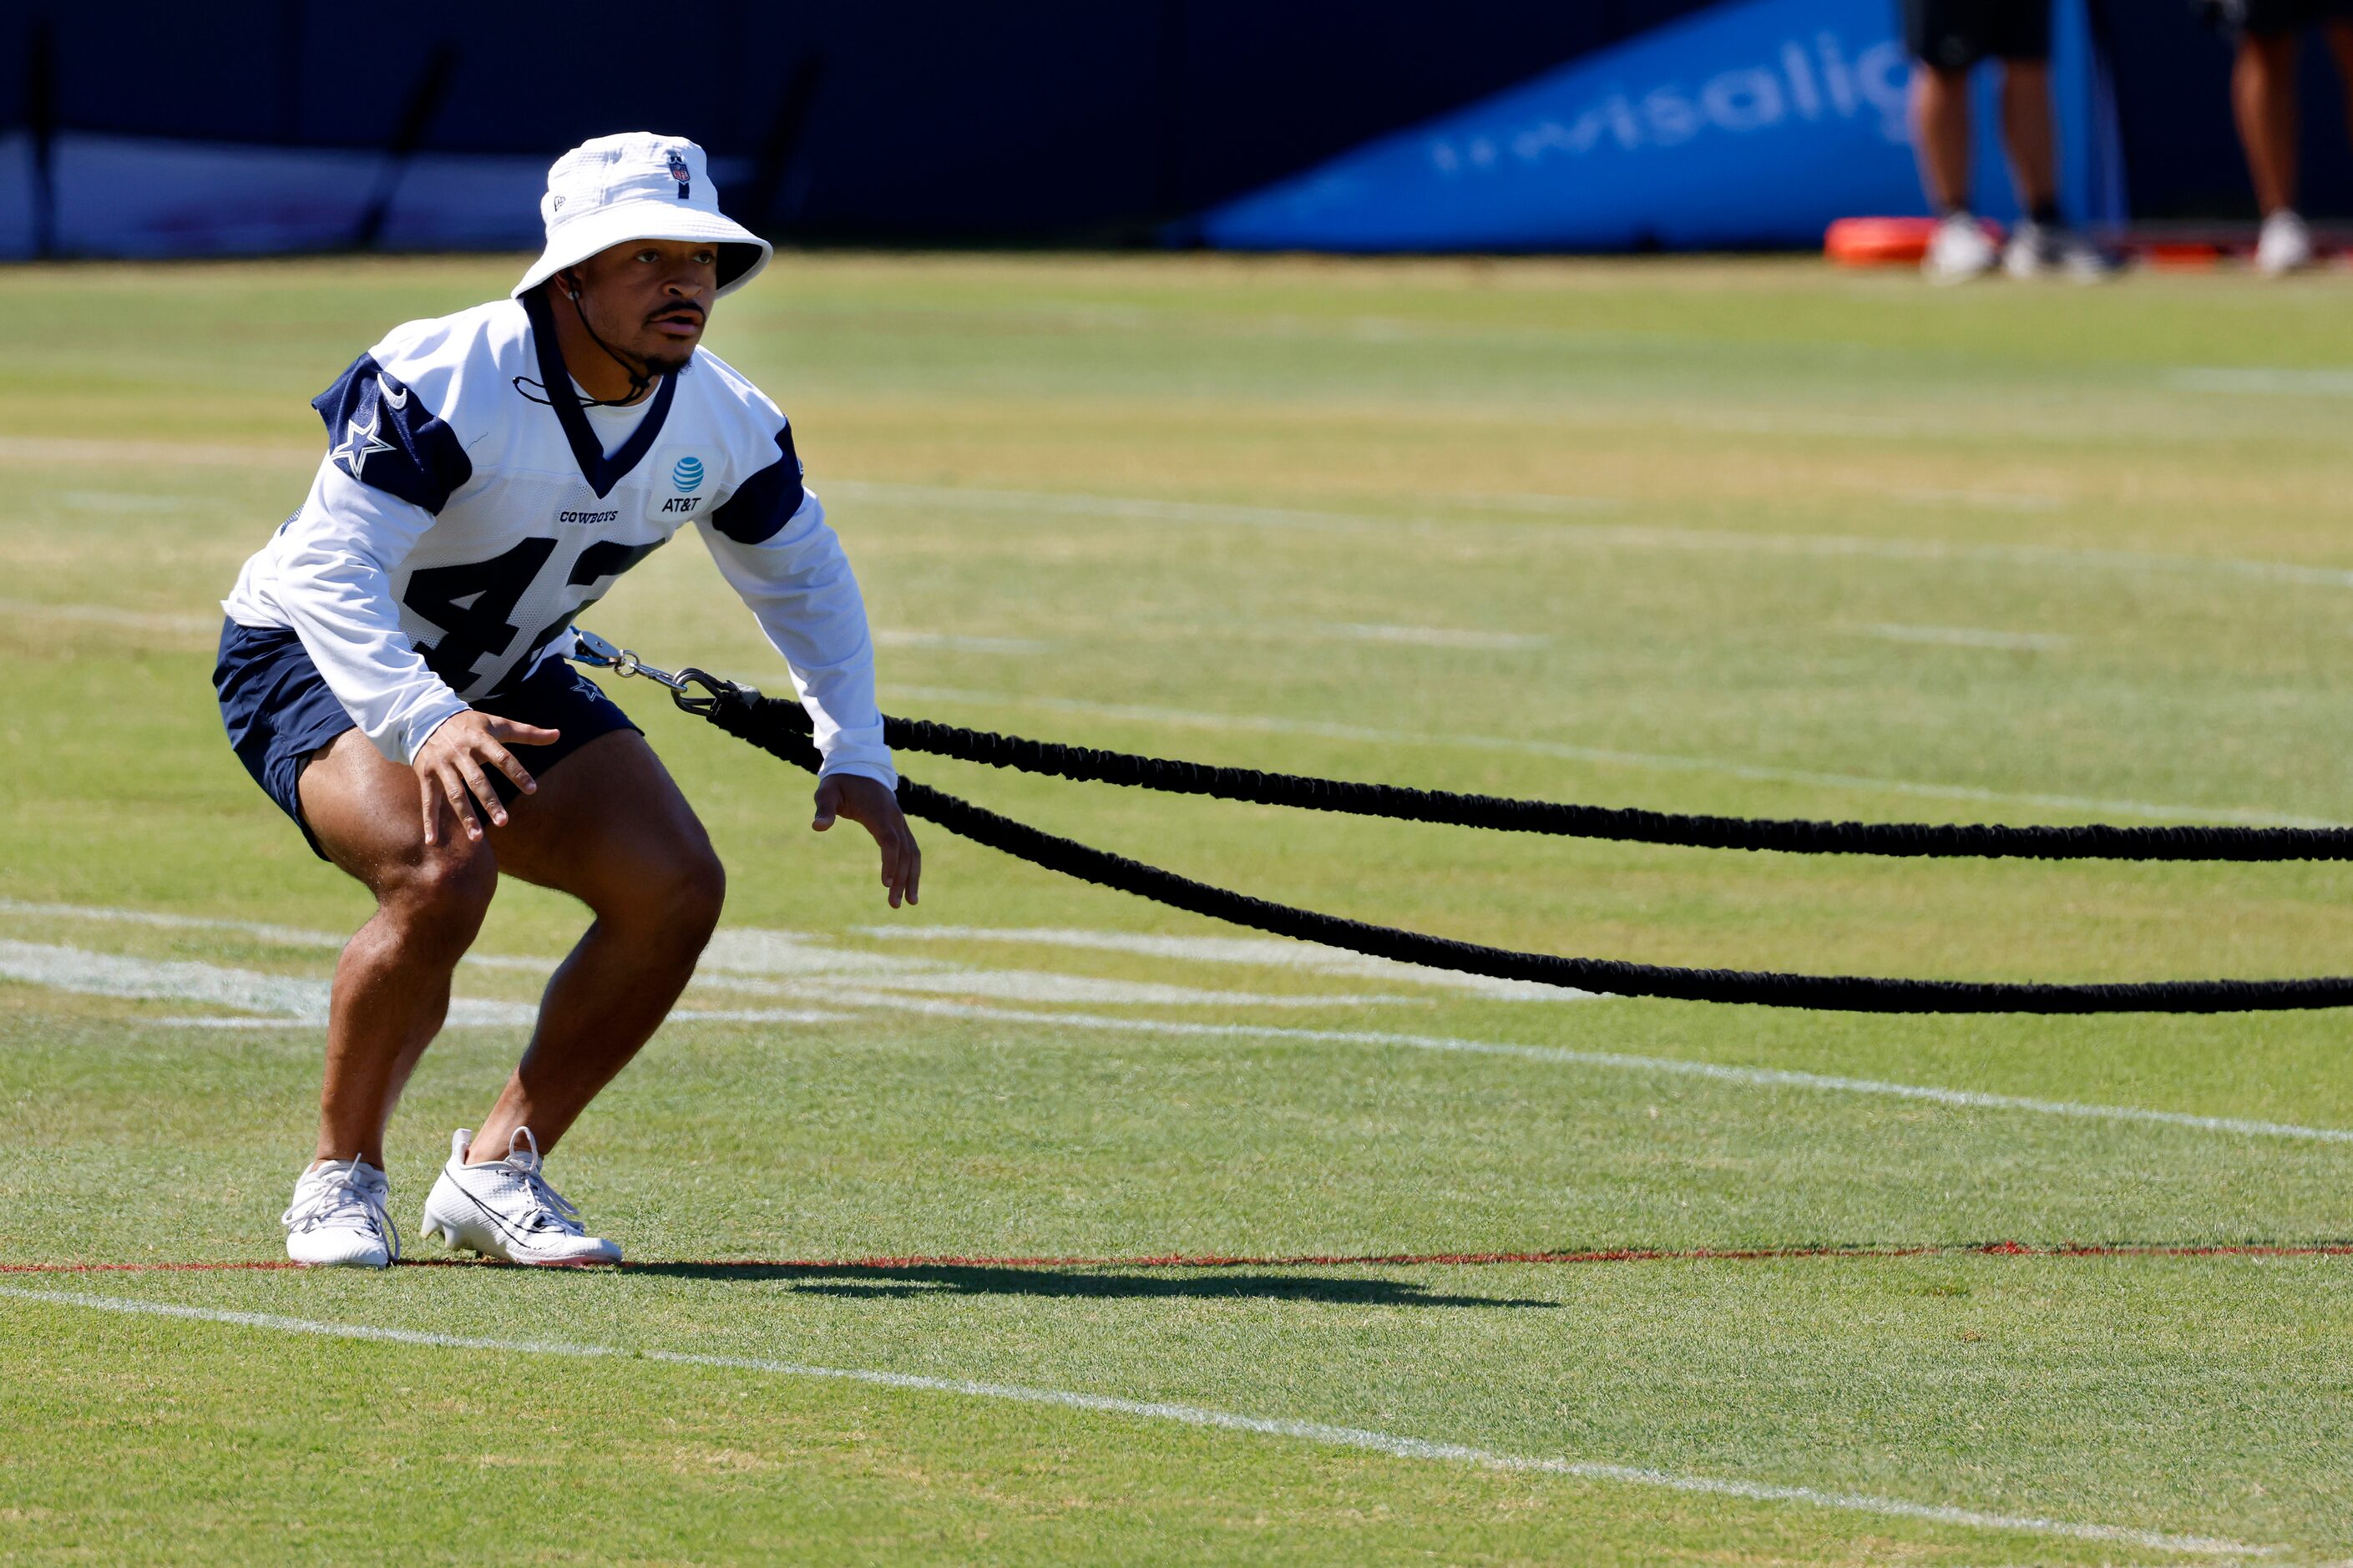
2062, 1250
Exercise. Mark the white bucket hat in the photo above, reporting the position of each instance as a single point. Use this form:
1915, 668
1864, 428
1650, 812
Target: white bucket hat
638, 185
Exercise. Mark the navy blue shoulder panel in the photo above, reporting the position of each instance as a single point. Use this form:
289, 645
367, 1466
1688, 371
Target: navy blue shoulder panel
766, 501
381, 434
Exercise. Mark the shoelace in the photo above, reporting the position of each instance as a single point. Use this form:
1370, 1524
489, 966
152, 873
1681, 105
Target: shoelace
334, 1193
554, 1210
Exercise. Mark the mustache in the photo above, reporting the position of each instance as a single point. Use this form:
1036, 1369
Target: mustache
682, 308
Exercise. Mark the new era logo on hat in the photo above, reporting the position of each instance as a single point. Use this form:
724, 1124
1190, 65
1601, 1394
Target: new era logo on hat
638, 185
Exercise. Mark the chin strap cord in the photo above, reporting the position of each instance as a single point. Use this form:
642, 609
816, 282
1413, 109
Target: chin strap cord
783, 730
639, 380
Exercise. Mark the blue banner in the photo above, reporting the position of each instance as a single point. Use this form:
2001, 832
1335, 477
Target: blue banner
1755, 123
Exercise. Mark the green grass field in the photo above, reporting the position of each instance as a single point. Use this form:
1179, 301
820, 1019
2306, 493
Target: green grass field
1750, 538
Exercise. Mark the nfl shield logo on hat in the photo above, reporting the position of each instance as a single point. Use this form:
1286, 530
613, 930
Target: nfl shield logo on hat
677, 170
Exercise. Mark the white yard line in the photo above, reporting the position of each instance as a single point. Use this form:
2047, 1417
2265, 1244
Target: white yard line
282, 997
819, 967
282, 1002
262, 931
18, 449
129, 501
952, 642
90, 973
770, 954
1256, 952
1031, 985
296, 1000
1132, 508
292, 1001
1262, 724
1616, 1061
1419, 636
1139, 509
115, 615
2263, 381
1316, 1432
1542, 504
159, 454
1999, 500
696, 1015
1966, 636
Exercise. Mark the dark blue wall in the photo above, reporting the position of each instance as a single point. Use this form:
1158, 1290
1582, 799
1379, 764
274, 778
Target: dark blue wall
1053, 118
1044, 120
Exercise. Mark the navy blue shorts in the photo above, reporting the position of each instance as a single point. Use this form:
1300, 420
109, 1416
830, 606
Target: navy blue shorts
1954, 34
2269, 18
279, 713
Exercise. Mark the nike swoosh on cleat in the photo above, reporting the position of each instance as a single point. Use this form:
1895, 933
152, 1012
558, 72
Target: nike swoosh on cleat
492, 1215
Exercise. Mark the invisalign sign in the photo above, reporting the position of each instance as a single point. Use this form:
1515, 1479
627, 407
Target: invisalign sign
1755, 122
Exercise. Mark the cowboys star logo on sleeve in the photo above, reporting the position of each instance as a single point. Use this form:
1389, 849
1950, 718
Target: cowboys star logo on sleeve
360, 440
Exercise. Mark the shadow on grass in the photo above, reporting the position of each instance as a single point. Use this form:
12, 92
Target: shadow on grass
874, 1281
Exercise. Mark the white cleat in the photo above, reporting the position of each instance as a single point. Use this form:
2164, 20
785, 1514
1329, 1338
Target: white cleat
2285, 245
338, 1218
1959, 251
506, 1209
2037, 250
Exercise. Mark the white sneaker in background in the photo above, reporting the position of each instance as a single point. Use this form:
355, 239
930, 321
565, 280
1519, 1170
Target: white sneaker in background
506, 1209
2284, 245
1959, 251
338, 1217
2046, 251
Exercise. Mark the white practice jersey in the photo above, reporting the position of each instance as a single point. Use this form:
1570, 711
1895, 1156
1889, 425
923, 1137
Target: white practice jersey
468, 511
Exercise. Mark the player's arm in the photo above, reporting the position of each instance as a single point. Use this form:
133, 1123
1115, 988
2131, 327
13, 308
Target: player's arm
334, 587
772, 544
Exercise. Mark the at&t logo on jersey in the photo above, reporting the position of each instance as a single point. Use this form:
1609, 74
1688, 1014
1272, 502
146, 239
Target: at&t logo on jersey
686, 476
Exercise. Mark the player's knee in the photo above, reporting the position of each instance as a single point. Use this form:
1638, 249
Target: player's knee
672, 906
696, 893
442, 896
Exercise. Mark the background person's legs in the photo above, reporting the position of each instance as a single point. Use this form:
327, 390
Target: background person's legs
2264, 99
2043, 244
1960, 248
1947, 38
611, 829
2030, 136
1940, 134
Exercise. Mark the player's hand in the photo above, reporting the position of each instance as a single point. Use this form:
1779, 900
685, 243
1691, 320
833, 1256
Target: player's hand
449, 768
865, 802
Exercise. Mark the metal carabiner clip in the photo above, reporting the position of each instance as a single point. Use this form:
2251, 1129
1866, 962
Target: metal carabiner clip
591, 649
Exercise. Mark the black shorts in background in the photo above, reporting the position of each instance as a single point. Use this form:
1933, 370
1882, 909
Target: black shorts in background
2268, 18
1954, 34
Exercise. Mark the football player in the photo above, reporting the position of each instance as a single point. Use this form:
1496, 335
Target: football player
391, 673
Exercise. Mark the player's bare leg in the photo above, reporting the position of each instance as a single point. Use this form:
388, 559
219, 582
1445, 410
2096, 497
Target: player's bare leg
610, 828
392, 984
1940, 125
2026, 131
2263, 96
1960, 248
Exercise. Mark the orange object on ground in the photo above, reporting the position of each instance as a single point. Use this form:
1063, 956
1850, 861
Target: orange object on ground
1878, 241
